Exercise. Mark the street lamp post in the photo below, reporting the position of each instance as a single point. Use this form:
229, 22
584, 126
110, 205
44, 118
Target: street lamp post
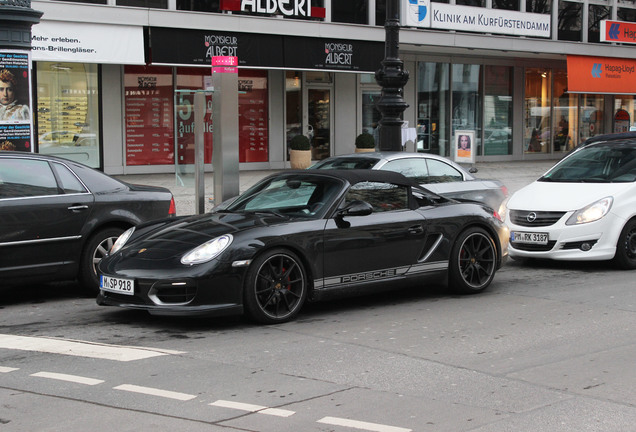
392, 77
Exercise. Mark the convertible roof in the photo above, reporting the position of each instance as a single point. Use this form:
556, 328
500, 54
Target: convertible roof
354, 176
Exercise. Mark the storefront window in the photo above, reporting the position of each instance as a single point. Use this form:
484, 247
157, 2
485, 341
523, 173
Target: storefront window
148, 105
192, 79
352, 11
478, 3
68, 111
591, 114
253, 116
380, 12
625, 14
370, 114
293, 107
498, 111
570, 18
596, 15
565, 114
433, 103
466, 100
198, 5
537, 112
626, 103
157, 4
87, 1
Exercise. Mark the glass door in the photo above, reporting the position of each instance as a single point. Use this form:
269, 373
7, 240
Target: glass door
318, 109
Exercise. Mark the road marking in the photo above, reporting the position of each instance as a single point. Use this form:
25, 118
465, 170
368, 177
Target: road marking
69, 378
80, 348
7, 369
155, 392
253, 408
375, 427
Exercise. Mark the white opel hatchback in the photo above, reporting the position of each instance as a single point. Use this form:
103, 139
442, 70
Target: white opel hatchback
583, 208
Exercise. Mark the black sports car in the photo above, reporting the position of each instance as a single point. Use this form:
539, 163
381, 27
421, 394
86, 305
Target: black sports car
58, 218
300, 235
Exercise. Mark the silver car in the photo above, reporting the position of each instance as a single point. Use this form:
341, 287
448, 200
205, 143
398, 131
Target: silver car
438, 174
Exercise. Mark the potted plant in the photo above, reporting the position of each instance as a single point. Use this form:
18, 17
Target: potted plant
365, 143
300, 152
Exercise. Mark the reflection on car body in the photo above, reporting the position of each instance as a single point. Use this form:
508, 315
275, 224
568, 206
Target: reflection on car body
304, 235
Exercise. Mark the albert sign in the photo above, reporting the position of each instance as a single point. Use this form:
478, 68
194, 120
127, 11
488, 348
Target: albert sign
289, 8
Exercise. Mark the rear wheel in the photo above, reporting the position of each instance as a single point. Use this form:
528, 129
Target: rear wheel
275, 287
96, 248
625, 257
473, 261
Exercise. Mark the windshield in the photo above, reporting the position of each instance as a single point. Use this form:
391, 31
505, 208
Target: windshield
347, 163
603, 163
289, 196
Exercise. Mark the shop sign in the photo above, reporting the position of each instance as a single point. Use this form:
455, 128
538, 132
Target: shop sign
474, 19
197, 47
224, 64
601, 75
15, 101
618, 31
621, 121
288, 8
87, 43
332, 54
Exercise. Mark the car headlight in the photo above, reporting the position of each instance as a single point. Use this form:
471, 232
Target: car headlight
591, 213
207, 250
121, 240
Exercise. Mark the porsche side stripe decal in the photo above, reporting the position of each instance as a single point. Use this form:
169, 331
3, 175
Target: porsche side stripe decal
374, 275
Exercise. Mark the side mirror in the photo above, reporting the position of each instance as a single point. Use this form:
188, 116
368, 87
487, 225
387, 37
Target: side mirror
356, 208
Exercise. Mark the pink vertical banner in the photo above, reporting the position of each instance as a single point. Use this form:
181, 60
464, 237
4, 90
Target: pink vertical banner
224, 64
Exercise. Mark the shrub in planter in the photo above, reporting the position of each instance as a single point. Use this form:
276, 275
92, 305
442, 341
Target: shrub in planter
300, 152
365, 143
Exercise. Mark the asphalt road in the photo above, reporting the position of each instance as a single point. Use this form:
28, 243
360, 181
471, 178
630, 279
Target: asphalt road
549, 347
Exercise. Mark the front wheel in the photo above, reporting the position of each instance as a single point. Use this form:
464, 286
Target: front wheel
96, 248
275, 287
625, 257
473, 261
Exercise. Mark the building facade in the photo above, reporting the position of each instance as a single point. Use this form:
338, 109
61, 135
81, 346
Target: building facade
114, 79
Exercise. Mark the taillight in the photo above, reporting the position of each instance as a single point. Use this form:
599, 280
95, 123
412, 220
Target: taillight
504, 189
172, 211
497, 216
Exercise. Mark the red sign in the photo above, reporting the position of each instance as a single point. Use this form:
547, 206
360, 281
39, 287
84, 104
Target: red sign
291, 8
601, 75
224, 64
618, 31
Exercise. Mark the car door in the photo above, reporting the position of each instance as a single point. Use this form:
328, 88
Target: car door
43, 208
381, 245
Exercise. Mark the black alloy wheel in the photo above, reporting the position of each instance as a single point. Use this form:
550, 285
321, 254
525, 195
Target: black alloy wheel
625, 257
276, 287
97, 247
473, 261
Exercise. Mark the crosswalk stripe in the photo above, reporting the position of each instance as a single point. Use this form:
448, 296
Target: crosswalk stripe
69, 378
374, 427
253, 408
155, 392
80, 348
4, 369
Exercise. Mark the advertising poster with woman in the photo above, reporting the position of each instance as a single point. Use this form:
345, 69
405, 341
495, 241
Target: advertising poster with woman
15, 101
464, 146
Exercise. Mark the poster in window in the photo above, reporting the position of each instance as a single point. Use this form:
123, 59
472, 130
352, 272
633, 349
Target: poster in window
149, 115
15, 101
465, 146
253, 115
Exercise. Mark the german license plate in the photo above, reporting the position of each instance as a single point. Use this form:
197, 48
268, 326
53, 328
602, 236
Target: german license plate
117, 285
529, 238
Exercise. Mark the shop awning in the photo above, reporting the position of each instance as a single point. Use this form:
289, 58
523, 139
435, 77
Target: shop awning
603, 75
87, 43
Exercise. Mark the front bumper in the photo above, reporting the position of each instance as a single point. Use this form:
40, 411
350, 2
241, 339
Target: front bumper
587, 242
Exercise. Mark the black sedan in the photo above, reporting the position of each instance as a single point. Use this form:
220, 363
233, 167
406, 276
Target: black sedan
59, 218
304, 235
436, 173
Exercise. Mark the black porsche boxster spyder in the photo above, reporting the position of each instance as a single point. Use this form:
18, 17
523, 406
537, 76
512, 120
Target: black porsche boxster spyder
304, 235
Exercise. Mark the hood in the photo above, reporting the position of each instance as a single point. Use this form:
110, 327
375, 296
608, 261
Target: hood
553, 196
174, 239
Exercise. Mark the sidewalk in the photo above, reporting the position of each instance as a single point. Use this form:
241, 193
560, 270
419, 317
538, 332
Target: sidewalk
514, 175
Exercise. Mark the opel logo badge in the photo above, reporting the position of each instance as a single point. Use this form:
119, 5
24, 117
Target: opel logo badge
532, 216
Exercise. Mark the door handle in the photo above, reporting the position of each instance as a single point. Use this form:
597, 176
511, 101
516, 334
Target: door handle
78, 207
416, 229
